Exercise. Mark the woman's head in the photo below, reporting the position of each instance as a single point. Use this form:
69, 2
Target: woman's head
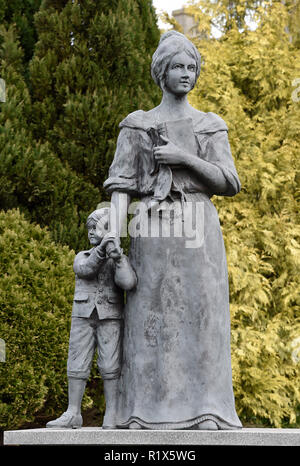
171, 44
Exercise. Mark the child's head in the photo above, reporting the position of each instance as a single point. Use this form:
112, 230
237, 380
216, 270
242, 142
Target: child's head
97, 225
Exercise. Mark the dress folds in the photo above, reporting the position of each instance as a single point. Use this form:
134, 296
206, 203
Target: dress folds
176, 351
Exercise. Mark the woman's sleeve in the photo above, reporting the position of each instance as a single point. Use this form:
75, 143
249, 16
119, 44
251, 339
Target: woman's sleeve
215, 149
123, 172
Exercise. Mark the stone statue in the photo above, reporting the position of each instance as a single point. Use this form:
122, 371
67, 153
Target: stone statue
101, 274
176, 371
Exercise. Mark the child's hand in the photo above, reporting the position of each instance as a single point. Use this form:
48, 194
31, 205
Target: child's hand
113, 251
110, 237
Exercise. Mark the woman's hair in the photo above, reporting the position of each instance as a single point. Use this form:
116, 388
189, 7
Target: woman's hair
171, 43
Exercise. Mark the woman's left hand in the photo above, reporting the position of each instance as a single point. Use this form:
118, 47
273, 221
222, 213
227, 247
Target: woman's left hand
169, 154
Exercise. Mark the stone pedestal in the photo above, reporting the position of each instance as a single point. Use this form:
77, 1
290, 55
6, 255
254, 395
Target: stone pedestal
97, 436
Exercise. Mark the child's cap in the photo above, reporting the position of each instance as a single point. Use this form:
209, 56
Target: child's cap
97, 214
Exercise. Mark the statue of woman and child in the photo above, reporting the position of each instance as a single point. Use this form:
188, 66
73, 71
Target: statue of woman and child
164, 356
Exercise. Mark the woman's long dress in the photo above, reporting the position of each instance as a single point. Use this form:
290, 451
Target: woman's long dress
176, 353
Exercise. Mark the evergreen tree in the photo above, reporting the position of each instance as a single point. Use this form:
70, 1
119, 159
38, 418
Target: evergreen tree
37, 285
247, 78
90, 69
59, 134
31, 175
21, 14
227, 14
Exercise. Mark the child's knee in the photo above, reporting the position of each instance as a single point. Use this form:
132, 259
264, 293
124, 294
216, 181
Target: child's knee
109, 372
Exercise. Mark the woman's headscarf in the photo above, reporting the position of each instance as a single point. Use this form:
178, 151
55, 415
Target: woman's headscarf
170, 44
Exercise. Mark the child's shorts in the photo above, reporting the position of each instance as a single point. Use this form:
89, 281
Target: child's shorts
86, 335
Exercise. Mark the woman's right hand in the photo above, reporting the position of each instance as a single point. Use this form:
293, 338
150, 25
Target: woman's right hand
169, 154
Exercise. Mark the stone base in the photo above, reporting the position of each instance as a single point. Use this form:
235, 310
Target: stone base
97, 436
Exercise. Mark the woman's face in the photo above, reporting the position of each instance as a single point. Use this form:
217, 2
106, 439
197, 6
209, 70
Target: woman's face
181, 74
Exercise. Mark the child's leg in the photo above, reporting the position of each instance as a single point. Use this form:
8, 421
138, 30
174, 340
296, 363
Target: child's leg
109, 337
72, 417
82, 345
111, 401
76, 389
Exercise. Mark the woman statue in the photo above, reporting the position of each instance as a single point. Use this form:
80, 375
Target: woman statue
176, 357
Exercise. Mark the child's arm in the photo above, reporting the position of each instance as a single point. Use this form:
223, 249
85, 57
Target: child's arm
88, 266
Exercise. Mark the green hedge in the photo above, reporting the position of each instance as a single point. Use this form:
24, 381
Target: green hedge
36, 293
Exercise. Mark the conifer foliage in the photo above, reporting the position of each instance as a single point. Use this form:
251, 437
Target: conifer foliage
36, 282
21, 14
247, 78
90, 69
32, 177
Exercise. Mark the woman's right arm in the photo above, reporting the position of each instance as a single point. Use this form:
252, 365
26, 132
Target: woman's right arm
118, 214
122, 182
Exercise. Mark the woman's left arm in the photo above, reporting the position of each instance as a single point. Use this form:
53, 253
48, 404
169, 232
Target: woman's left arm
208, 173
215, 169
211, 175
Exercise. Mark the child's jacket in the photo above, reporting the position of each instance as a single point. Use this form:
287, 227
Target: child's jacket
99, 283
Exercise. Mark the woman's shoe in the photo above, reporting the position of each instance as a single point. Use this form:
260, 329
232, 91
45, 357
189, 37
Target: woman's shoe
105, 427
207, 425
134, 425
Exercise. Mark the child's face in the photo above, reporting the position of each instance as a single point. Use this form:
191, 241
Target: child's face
95, 234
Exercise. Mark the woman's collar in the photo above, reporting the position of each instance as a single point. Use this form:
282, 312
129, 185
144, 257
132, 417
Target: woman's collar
203, 122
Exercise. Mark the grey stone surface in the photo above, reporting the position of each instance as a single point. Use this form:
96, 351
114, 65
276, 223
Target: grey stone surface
98, 436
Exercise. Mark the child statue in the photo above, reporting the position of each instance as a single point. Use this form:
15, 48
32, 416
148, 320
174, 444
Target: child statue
101, 275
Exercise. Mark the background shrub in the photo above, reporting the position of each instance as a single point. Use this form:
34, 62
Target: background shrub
36, 294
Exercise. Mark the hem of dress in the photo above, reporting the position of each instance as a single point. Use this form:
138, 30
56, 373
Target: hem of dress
181, 425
